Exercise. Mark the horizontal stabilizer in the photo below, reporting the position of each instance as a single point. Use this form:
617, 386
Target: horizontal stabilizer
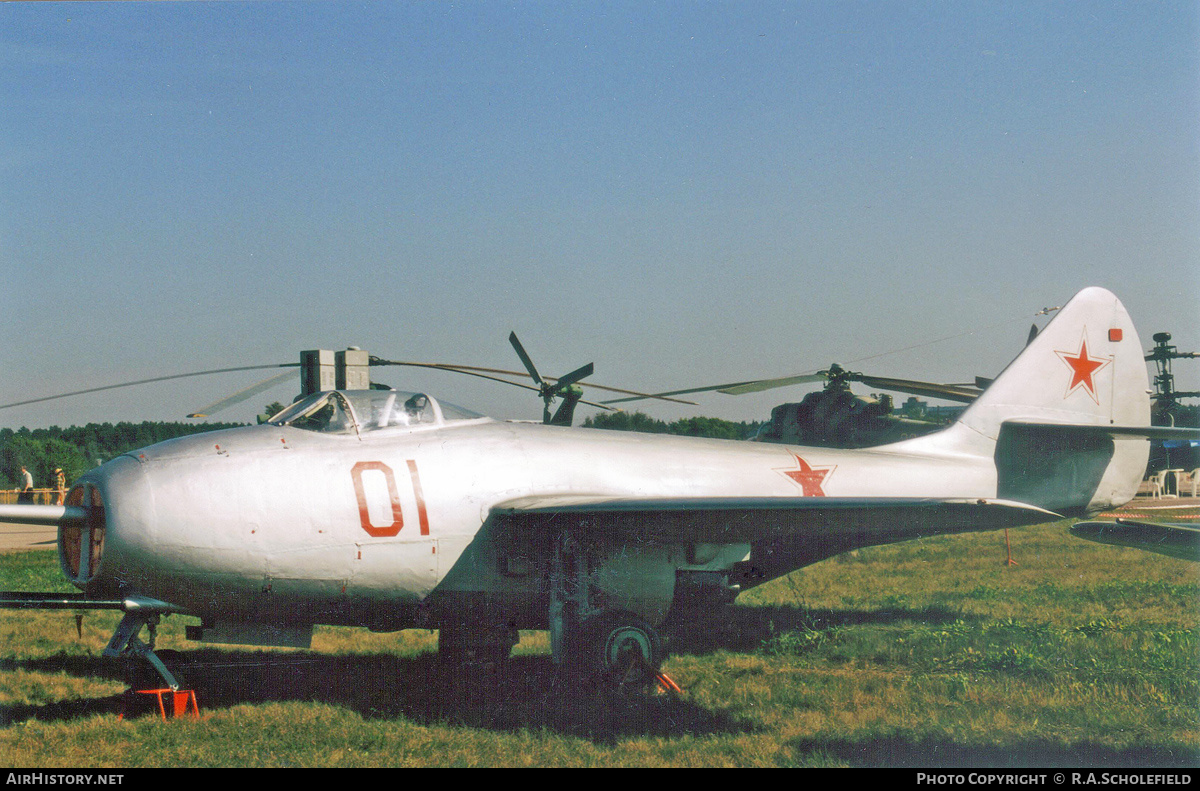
1178, 541
869, 520
40, 514
1148, 432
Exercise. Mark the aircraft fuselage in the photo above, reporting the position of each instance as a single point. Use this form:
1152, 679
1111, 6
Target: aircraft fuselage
392, 529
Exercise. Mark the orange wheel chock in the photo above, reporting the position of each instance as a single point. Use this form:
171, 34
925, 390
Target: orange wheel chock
667, 685
182, 703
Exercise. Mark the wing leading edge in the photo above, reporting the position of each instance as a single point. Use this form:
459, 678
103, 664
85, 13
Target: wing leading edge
752, 519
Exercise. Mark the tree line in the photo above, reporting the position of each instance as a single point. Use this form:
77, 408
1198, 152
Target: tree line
711, 427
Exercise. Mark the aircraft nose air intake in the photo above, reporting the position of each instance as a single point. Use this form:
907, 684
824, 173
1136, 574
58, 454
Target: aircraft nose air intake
81, 543
117, 512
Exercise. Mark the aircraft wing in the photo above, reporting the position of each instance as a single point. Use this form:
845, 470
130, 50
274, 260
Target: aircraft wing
41, 514
23, 600
750, 519
1178, 541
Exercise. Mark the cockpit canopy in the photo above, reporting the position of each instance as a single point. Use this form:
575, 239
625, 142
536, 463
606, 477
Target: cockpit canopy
362, 411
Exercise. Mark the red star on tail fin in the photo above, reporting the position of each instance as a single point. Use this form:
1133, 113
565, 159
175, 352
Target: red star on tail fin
1083, 369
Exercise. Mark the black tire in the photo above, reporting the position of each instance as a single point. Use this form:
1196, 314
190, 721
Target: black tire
622, 649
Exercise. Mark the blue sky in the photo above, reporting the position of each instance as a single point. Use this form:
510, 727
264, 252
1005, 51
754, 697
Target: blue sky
683, 193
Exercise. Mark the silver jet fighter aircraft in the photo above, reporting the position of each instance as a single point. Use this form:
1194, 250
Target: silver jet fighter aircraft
392, 510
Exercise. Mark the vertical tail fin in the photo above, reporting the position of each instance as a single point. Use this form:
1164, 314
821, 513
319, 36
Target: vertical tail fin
1086, 368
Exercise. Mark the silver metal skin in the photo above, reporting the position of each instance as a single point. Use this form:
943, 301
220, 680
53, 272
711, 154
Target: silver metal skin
479, 527
263, 522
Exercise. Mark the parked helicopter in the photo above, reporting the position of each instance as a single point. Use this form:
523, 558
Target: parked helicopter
836, 417
392, 510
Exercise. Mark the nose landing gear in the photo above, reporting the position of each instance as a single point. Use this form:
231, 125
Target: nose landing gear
147, 670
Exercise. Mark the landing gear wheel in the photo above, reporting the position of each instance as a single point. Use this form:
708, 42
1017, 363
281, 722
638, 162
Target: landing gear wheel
622, 649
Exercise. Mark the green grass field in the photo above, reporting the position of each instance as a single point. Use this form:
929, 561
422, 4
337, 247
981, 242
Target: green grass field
931, 653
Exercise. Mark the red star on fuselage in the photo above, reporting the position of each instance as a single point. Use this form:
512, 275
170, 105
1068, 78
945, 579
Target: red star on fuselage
810, 479
1083, 369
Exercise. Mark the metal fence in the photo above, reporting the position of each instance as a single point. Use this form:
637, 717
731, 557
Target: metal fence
40, 496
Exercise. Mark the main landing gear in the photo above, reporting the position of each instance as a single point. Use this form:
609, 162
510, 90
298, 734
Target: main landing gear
617, 648
620, 649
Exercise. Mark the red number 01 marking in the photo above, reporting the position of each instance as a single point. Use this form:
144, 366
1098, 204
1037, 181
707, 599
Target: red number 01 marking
364, 514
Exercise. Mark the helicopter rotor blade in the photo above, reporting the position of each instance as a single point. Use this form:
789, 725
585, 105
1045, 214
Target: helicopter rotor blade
609, 388
149, 381
521, 385
242, 395
770, 384
528, 363
562, 388
573, 377
665, 395
729, 388
929, 389
471, 371
476, 370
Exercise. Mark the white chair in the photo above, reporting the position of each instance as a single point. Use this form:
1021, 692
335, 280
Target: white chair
1152, 487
